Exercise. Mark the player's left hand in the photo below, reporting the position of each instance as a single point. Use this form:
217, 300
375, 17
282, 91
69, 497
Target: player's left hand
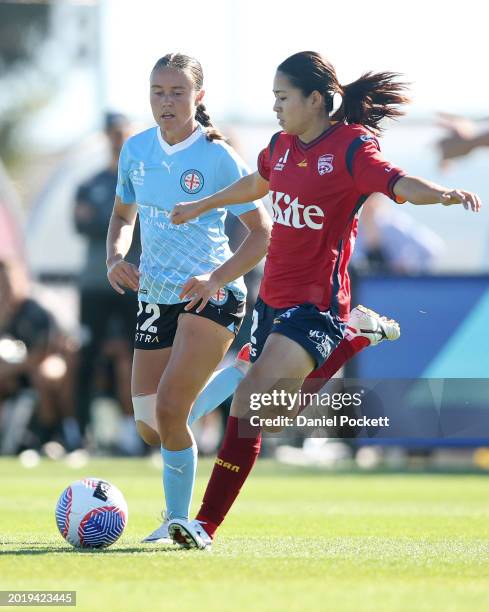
470, 201
199, 289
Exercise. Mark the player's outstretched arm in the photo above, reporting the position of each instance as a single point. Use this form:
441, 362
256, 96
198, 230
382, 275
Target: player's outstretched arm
249, 188
420, 191
119, 237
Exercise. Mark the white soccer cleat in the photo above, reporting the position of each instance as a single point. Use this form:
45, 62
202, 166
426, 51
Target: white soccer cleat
369, 324
189, 534
160, 535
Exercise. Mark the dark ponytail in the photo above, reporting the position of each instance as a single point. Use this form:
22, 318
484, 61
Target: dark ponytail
203, 118
371, 98
366, 101
193, 68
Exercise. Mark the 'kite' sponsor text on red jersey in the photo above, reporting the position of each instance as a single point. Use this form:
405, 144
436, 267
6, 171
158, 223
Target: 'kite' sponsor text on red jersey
316, 192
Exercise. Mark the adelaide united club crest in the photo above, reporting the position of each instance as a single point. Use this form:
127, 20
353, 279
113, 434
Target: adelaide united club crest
325, 164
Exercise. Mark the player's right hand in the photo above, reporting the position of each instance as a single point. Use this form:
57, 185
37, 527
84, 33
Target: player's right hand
469, 200
122, 274
185, 211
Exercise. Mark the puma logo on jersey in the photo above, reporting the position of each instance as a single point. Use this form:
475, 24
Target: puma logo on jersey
295, 214
302, 164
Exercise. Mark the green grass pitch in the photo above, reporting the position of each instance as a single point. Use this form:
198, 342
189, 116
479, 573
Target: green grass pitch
296, 540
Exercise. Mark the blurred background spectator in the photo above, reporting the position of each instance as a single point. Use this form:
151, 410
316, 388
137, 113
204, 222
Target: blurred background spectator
107, 319
36, 367
391, 241
461, 138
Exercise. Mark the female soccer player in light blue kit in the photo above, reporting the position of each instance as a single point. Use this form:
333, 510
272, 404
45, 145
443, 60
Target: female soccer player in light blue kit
190, 287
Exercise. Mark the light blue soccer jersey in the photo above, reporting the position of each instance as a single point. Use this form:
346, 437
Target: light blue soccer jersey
156, 176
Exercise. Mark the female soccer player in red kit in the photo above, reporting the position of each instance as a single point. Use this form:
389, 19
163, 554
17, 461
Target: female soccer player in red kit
318, 172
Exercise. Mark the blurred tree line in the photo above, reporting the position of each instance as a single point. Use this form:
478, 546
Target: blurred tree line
41, 41
25, 81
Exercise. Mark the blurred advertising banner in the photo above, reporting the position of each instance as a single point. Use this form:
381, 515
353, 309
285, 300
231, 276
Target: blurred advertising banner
444, 327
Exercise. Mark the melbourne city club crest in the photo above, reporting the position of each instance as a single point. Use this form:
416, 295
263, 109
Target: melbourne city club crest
192, 181
219, 298
325, 164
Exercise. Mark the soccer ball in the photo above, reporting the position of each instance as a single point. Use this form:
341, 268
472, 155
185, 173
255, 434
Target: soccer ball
91, 513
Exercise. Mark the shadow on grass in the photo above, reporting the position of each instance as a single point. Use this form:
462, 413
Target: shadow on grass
45, 550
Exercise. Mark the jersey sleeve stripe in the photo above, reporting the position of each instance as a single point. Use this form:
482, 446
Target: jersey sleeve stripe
273, 142
353, 148
392, 181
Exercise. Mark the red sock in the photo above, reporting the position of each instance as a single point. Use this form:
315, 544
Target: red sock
234, 462
345, 350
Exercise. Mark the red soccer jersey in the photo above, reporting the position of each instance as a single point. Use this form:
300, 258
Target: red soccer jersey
316, 191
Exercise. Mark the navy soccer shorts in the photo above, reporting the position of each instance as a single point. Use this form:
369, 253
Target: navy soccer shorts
157, 323
319, 333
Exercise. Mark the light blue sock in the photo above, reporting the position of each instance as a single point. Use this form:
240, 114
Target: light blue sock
178, 480
221, 385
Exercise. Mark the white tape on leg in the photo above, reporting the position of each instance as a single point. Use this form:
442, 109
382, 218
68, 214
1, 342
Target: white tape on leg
145, 410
